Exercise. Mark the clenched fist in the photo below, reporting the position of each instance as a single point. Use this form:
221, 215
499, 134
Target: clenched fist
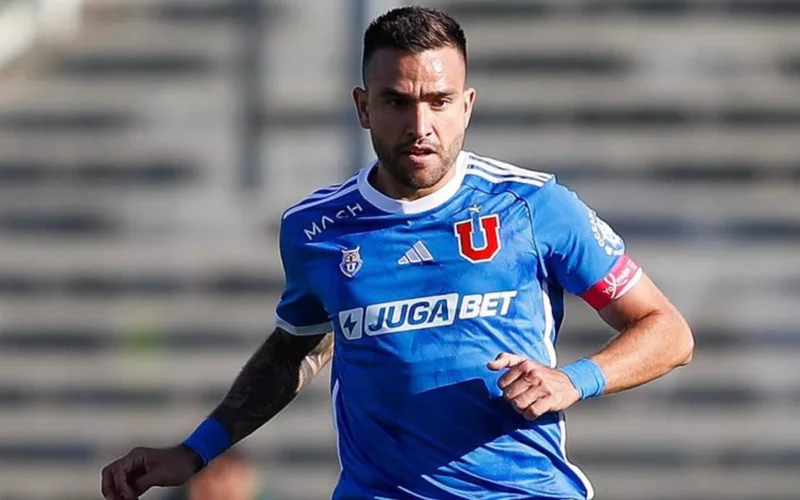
143, 468
532, 388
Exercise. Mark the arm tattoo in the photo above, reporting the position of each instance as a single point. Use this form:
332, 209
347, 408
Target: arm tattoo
270, 380
316, 359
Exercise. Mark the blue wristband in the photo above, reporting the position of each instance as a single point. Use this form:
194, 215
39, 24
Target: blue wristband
209, 440
587, 377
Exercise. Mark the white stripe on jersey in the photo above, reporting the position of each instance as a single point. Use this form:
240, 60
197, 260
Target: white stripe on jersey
496, 167
549, 342
549, 326
303, 330
478, 171
319, 193
335, 415
314, 200
562, 444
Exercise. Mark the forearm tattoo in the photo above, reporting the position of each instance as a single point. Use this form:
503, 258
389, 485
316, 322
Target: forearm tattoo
316, 359
271, 378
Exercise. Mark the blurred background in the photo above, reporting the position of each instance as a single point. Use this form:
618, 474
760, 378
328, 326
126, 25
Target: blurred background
148, 147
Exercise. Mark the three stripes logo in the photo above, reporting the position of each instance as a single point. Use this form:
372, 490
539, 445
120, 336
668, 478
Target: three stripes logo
415, 254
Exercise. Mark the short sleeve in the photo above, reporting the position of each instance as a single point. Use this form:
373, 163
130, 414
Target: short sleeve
299, 311
581, 252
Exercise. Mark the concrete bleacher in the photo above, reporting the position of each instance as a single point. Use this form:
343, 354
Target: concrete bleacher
136, 279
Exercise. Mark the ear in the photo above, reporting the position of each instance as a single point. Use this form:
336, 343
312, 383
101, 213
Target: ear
361, 100
470, 95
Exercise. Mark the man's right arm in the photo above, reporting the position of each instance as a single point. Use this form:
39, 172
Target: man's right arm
270, 380
281, 367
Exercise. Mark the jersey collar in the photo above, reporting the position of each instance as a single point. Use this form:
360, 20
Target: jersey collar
429, 202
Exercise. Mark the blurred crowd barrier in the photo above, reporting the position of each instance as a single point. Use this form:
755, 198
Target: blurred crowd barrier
145, 159
23, 23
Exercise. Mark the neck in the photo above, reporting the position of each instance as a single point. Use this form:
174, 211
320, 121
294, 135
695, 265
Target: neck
386, 183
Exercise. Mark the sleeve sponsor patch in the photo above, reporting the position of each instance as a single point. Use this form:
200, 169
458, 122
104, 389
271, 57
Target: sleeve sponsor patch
608, 240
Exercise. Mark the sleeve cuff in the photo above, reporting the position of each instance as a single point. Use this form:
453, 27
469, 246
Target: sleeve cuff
318, 329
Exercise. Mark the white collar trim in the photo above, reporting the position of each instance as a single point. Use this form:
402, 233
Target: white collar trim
428, 202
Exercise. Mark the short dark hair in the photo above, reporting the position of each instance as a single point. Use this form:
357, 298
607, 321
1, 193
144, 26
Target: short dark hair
413, 29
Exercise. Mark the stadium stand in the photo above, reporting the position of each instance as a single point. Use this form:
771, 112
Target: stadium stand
136, 276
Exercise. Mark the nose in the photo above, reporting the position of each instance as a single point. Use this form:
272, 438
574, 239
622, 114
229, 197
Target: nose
420, 121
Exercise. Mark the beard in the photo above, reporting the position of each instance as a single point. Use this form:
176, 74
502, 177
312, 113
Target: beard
414, 176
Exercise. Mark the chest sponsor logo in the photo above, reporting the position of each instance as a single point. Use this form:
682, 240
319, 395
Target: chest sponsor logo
422, 313
328, 220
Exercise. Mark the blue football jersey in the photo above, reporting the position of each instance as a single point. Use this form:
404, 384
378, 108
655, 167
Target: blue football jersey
421, 295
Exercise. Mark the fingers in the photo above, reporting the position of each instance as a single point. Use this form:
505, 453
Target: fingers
144, 483
527, 385
120, 475
524, 385
107, 485
114, 484
518, 387
504, 360
538, 408
527, 398
525, 368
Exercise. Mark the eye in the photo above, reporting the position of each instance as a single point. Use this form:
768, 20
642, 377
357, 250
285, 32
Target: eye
440, 103
396, 102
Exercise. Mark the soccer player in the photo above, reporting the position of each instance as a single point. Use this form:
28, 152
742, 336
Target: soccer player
435, 280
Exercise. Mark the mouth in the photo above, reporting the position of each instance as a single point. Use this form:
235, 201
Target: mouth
419, 153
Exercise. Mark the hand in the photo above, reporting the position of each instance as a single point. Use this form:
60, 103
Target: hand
532, 388
143, 468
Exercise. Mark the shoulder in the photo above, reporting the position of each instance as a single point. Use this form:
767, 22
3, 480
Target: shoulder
546, 198
496, 176
316, 211
311, 215
320, 199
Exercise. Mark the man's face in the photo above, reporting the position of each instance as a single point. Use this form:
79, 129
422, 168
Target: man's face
417, 110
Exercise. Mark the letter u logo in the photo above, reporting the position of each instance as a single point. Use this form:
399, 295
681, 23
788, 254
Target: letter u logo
481, 245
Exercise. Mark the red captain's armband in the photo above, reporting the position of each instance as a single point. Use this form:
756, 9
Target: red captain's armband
625, 274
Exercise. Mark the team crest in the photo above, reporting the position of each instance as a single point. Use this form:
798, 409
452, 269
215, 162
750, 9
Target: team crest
351, 262
478, 237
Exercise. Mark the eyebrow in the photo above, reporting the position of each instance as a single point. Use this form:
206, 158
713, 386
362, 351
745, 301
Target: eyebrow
389, 92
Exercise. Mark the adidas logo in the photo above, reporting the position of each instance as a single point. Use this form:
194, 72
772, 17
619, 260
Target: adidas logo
415, 254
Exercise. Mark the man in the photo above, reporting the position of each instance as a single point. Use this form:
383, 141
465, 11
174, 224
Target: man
441, 275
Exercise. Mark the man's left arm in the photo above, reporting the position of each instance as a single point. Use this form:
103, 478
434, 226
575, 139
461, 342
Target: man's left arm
654, 338
584, 256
